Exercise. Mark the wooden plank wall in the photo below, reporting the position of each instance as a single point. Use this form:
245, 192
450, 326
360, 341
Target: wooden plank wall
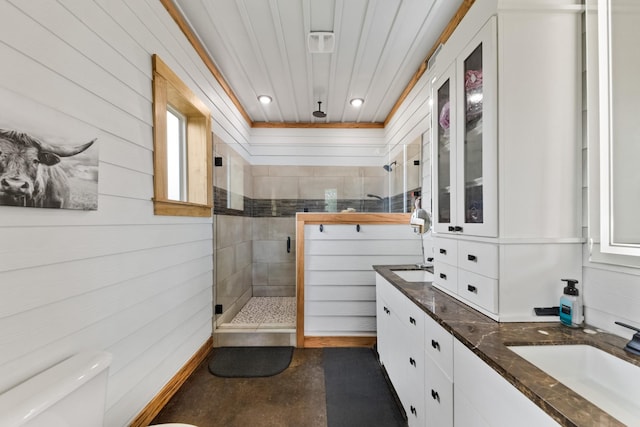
119, 278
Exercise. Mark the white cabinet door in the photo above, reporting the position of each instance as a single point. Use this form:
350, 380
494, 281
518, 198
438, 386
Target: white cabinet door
444, 154
480, 389
465, 413
438, 396
382, 325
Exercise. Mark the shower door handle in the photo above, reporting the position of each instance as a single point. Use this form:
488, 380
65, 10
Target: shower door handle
288, 244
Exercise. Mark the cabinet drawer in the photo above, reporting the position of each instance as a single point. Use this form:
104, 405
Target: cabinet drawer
392, 297
479, 290
445, 250
445, 276
438, 345
480, 258
438, 396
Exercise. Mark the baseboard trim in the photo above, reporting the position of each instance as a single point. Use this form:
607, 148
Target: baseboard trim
156, 404
321, 342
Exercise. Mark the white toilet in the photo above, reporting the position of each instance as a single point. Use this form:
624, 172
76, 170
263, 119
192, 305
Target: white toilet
69, 394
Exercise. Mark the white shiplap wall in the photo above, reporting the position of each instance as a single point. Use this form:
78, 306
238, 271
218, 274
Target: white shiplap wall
339, 281
119, 278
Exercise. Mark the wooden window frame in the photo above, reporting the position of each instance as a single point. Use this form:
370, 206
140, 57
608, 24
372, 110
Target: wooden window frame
168, 89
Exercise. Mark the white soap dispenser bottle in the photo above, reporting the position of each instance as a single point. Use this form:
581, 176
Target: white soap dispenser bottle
571, 305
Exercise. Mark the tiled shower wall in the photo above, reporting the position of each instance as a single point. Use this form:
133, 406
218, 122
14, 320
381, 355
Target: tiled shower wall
251, 257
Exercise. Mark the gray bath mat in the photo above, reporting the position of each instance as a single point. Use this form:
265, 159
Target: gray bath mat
249, 362
357, 393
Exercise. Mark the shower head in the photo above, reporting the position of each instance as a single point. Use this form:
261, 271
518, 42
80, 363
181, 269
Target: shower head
319, 113
388, 167
375, 196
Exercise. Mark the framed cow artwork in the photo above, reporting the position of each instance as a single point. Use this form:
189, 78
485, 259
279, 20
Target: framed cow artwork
38, 173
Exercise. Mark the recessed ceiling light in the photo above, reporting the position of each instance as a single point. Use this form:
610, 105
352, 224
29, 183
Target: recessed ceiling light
356, 102
265, 99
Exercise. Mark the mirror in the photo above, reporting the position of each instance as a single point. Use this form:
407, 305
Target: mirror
618, 31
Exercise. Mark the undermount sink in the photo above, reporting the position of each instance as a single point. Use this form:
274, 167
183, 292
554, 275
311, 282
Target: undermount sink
605, 380
415, 275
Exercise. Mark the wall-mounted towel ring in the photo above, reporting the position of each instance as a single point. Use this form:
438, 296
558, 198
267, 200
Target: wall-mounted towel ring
321, 228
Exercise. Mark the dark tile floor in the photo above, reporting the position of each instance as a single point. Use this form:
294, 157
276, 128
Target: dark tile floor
294, 398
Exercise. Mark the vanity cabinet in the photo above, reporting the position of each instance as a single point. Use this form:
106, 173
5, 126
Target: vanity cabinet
401, 347
483, 398
417, 354
507, 156
438, 379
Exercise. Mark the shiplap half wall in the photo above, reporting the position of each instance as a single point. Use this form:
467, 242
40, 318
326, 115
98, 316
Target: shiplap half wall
340, 283
117, 279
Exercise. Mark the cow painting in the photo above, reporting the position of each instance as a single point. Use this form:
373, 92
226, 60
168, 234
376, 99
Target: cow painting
31, 173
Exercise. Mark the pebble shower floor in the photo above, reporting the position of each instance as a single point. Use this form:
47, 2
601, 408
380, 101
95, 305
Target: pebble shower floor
267, 312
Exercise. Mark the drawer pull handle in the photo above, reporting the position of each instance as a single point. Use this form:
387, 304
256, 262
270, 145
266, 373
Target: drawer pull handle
386, 310
472, 258
321, 228
451, 228
443, 251
435, 395
414, 411
443, 276
457, 228
472, 288
435, 344
412, 320
358, 228
412, 361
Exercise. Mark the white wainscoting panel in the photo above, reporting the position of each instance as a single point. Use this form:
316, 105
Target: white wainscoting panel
339, 278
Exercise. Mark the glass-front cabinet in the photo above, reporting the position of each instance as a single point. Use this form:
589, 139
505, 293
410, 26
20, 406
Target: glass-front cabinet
465, 166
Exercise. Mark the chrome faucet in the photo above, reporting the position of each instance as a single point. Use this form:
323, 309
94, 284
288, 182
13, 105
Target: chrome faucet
632, 346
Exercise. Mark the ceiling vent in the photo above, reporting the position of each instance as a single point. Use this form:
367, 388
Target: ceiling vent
321, 42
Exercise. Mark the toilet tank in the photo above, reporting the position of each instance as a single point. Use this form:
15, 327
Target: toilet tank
69, 394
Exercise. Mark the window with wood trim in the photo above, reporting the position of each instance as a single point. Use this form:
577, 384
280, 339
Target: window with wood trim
182, 147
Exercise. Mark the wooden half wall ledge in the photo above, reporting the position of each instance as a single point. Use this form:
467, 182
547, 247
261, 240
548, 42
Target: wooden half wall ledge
322, 342
154, 407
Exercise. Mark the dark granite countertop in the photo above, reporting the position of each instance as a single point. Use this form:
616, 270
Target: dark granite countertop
489, 340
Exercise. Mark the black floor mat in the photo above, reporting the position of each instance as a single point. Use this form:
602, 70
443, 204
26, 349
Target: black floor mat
357, 392
248, 362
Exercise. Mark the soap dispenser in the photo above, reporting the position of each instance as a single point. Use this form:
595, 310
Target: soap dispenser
571, 305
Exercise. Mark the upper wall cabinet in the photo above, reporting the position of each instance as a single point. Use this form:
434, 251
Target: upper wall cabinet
507, 122
619, 62
465, 151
